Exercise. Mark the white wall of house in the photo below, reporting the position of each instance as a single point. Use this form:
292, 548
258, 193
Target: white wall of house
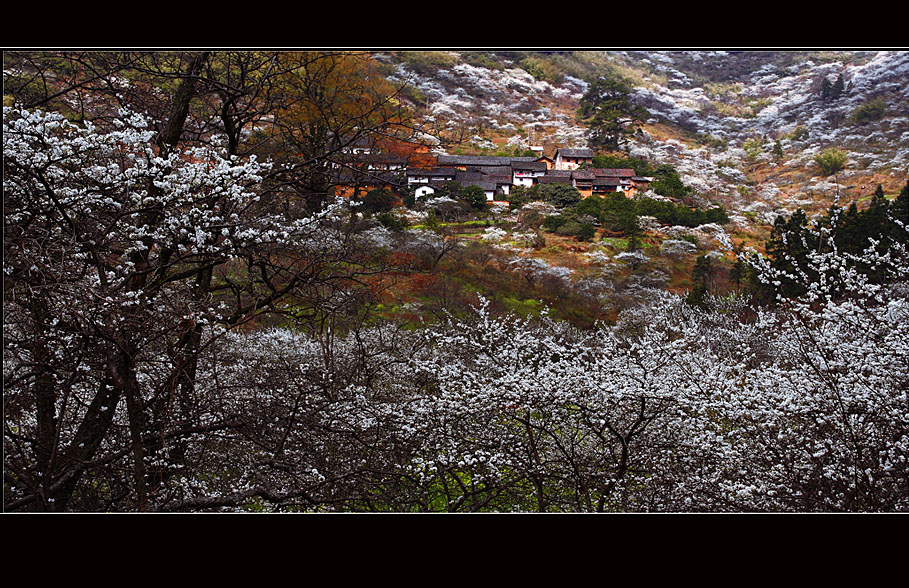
522, 178
424, 191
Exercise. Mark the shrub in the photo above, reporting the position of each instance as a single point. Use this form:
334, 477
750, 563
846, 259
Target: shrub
558, 194
586, 233
592, 206
800, 133
391, 221
569, 228
831, 161
552, 223
378, 200
474, 196
868, 112
670, 213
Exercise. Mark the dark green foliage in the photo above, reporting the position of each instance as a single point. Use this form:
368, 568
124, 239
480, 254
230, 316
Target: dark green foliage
620, 214
868, 112
391, 221
474, 196
617, 213
832, 91
852, 233
592, 206
586, 232
558, 194
552, 223
670, 213
640, 166
700, 276
666, 180
569, 228
517, 197
378, 200
738, 275
854, 227
668, 183
609, 114
900, 208
432, 222
788, 247
848, 236
451, 189
570, 225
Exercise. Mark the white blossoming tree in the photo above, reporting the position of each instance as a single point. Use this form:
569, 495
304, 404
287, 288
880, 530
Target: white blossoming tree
122, 263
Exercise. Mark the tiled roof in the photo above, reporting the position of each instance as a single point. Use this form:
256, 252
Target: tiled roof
499, 170
551, 179
613, 173
575, 152
434, 172
481, 160
529, 165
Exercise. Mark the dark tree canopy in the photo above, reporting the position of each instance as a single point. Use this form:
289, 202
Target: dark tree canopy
609, 113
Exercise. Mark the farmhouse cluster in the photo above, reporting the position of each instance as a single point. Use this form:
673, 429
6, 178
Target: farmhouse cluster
494, 174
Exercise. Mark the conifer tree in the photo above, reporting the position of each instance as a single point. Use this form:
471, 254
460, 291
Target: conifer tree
610, 115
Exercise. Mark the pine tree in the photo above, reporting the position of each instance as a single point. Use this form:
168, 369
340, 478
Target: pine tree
899, 211
609, 114
700, 277
788, 248
826, 90
848, 236
838, 88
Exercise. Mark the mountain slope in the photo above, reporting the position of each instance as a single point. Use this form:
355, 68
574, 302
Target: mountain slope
715, 115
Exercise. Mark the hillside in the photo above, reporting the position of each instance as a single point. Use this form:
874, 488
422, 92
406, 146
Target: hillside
715, 116
249, 281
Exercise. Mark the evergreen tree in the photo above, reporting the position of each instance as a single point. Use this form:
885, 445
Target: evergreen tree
826, 90
474, 196
777, 151
700, 277
848, 235
875, 217
788, 247
559, 194
609, 114
899, 211
838, 87
667, 182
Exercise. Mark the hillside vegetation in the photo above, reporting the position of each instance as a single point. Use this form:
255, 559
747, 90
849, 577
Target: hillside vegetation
716, 116
223, 294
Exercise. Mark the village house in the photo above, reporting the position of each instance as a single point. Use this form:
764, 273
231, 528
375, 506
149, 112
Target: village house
527, 173
497, 175
572, 158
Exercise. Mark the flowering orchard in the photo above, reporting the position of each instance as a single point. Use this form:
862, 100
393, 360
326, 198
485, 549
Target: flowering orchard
140, 373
